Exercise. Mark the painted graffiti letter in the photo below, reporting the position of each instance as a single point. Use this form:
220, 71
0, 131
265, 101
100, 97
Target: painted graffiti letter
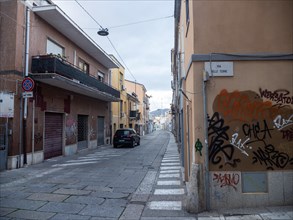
240, 145
219, 152
281, 123
227, 179
271, 158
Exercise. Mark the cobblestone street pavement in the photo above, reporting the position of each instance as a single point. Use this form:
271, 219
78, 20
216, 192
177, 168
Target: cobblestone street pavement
144, 183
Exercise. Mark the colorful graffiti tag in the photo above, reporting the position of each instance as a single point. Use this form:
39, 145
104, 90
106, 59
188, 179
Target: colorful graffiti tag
248, 133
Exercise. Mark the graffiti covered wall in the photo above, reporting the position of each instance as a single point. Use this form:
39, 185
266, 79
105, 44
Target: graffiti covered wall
251, 131
71, 131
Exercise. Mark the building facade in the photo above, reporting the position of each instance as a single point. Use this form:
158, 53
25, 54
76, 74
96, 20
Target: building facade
142, 109
120, 117
133, 116
232, 102
59, 80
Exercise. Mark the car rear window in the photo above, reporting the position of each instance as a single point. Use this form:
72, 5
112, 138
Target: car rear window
122, 132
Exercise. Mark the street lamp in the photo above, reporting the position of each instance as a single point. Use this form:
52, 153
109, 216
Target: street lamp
103, 32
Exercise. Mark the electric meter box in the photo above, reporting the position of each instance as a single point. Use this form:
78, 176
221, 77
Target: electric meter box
6, 105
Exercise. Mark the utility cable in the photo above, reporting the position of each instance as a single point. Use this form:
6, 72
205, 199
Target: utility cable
139, 22
108, 39
89, 14
121, 58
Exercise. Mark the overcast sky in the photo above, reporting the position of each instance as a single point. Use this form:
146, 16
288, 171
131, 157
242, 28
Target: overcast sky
145, 47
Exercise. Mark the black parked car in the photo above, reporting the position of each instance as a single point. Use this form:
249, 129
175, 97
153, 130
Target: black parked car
126, 137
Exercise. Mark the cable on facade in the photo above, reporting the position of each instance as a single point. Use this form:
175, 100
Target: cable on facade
11, 19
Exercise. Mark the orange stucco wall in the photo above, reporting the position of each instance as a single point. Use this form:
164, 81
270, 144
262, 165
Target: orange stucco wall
242, 26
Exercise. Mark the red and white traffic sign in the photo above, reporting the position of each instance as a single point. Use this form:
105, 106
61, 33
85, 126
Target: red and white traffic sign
28, 84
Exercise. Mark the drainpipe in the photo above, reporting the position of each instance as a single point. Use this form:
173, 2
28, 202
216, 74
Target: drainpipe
188, 131
206, 165
33, 132
188, 139
20, 132
110, 109
27, 28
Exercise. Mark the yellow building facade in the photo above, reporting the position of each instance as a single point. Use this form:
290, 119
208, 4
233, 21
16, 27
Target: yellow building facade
119, 109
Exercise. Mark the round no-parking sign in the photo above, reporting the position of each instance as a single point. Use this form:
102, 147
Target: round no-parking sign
28, 84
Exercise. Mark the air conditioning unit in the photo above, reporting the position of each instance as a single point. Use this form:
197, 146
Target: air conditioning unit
122, 114
122, 87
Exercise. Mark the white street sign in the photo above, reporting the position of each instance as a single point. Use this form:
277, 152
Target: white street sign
219, 68
27, 95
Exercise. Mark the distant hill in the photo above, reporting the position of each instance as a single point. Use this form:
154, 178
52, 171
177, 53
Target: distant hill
159, 112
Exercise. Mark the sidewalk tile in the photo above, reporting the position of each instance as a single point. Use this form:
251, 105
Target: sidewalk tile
275, 216
132, 212
26, 214
59, 207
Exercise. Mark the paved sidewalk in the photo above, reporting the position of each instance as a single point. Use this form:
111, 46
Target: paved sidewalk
166, 201
260, 213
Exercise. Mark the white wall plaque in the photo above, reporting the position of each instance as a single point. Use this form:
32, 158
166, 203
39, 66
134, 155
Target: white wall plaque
219, 68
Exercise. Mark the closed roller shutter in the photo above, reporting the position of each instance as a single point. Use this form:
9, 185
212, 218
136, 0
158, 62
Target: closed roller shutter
53, 135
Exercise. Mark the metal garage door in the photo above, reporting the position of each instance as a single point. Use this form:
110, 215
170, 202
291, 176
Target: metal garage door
3, 145
53, 135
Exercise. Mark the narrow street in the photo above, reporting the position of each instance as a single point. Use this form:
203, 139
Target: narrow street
141, 183
106, 183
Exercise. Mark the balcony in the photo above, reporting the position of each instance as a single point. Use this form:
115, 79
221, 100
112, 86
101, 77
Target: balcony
57, 72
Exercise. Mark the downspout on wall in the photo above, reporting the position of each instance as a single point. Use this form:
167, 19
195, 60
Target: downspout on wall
24, 116
206, 163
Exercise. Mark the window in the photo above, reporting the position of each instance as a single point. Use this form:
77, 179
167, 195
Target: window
121, 107
187, 16
121, 82
85, 67
101, 76
187, 10
54, 48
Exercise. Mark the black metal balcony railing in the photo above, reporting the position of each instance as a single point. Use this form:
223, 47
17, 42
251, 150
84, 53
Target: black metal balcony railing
53, 64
